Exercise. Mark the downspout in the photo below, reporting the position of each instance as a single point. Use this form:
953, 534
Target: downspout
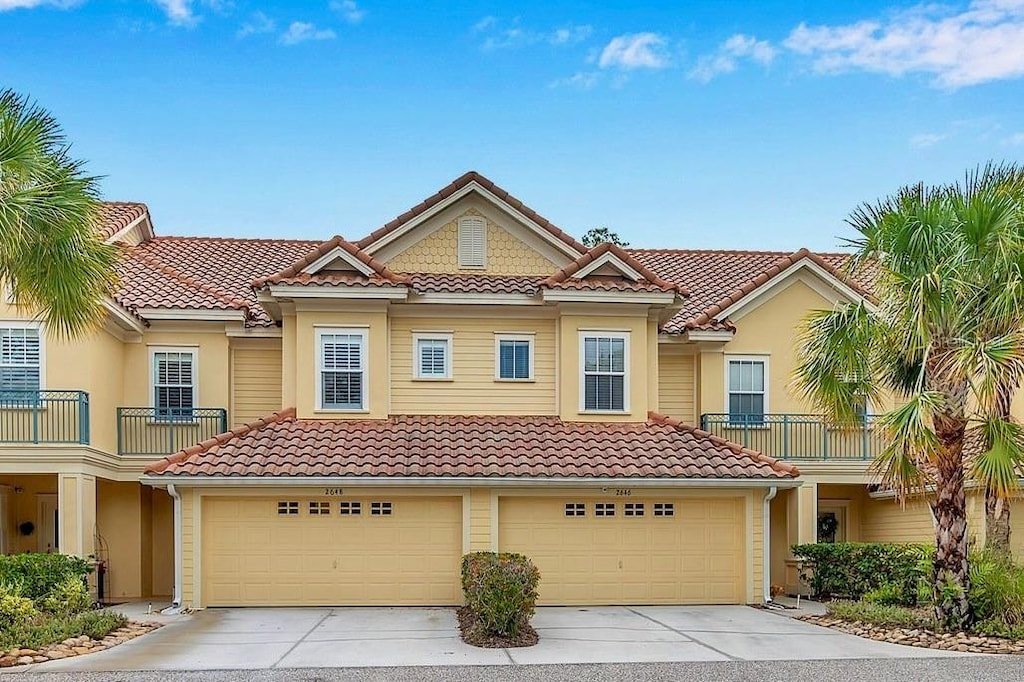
175, 606
766, 542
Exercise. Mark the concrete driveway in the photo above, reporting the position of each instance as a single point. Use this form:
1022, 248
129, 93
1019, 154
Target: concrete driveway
344, 637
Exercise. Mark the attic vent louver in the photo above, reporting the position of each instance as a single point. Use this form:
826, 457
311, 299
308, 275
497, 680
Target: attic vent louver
472, 241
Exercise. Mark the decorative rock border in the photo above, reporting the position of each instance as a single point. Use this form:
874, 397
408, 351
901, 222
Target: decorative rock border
76, 646
922, 637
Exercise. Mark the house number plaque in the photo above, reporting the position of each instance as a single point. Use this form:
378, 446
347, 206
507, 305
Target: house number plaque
334, 492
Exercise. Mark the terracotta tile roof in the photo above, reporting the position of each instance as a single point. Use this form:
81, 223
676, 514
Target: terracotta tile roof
432, 283
201, 273
117, 215
455, 186
293, 273
563, 279
717, 279
470, 446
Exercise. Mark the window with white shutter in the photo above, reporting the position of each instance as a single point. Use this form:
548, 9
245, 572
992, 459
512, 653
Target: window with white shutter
433, 356
341, 376
20, 364
472, 242
174, 382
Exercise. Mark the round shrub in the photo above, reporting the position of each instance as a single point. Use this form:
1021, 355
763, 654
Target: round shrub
500, 590
67, 598
15, 611
36, 575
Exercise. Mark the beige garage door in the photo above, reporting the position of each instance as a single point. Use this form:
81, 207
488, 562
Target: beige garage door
281, 551
641, 551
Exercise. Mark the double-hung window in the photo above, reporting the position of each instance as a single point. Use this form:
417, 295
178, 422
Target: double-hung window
604, 377
513, 357
20, 365
747, 377
341, 375
174, 382
433, 355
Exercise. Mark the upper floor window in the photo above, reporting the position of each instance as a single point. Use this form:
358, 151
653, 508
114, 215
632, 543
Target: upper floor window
174, 382
472, 242
604, 379
514, 357
747, 398
433, 356
341, 371
20, 363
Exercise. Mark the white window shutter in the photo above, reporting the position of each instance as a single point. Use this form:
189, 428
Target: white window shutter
472, 236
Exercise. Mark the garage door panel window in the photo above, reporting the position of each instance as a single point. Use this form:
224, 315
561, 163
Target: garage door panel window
342, 369
319, 508
575, 509
604, 379
380, 509
664, 509
747, 397
633, 509
287, 508
347, 508
604, 509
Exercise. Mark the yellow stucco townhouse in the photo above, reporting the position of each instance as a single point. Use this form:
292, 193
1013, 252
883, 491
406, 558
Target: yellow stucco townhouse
293, 422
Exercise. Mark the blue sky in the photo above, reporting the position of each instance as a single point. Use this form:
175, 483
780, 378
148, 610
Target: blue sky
683, 124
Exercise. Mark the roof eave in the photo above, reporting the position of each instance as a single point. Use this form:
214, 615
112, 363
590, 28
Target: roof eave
495, 481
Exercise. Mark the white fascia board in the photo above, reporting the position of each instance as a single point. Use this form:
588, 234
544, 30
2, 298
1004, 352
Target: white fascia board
182, 314
806, 264
476, 299
708, 335
328, 481
580, 296
128, 228
122, 317
448, 201
253, 332
608, 258
334, 254
338, 291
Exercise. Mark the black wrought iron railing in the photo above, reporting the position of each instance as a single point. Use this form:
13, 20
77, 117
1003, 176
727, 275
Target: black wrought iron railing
158, 432
799, 436
58, 417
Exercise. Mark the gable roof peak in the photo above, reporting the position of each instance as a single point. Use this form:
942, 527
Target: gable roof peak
608, 252
317, 258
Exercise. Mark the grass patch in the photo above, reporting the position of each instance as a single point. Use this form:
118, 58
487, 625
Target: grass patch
47, 629
881, 614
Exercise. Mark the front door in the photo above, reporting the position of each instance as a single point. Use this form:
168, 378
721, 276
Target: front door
48, 532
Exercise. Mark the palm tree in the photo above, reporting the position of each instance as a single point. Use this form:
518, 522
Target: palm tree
947, 332
51, 259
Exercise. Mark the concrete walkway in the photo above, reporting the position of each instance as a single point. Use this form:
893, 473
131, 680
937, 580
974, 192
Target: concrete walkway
252, 639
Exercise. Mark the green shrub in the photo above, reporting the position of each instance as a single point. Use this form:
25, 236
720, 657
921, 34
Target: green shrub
997, 593
852, 569
45, 630
15, 611
36, 575
501, 590
67, 598
886, 594
879, 614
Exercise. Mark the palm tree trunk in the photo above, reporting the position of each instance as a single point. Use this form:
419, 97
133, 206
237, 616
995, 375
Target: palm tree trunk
952, 579
997, 515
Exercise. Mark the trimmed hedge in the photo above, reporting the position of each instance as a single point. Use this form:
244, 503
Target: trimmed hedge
501, 590
891, 572
35, 576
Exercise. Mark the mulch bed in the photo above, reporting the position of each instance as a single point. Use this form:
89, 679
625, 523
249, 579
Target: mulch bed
921, 637
473, 633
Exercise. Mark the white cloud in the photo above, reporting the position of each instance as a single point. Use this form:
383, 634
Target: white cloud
178, 12
8, 5
500, 34
349, 10
302, 31
257, 23
926, 140
485, 23
635, 51
583, 80
725, 59
1015, 140
570, 34
983, 42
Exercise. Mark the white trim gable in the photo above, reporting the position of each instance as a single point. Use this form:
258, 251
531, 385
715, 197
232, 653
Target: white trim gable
608, 259
806, 270
336, 254
447, 202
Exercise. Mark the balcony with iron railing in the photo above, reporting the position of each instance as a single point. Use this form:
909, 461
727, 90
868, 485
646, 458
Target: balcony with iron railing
154, 431
799, 436
44, 417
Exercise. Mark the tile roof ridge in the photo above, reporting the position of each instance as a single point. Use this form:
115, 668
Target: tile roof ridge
453, 187
337, 241
725, 252
286, 414
607, 247
215, 238
181, 277
776, 464
120, 202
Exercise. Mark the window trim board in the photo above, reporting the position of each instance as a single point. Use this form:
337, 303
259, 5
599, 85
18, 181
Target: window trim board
764, 358
192, 350
318, 400
41, 333
584, 334
449, 339
529, 338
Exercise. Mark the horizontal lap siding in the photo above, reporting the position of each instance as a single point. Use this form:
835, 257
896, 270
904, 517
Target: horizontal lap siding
473, 389
256, 383
676, 386
887, 521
